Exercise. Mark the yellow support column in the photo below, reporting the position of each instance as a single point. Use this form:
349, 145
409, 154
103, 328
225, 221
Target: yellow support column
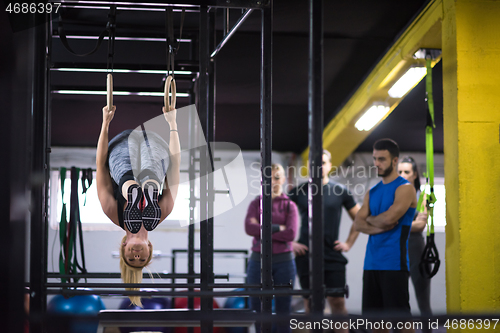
471, 89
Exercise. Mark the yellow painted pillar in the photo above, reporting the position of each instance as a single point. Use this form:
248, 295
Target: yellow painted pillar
471, 91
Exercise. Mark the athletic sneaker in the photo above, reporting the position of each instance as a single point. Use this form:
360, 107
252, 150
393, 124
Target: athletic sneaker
132, 216
151, 213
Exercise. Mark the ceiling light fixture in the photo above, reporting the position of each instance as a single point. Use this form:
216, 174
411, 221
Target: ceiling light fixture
371, 117
422, 54
116, 93
102, 70
407, 81
419, 54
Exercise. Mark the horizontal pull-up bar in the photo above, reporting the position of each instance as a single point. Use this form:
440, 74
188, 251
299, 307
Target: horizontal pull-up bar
214, 251
157, 285
117, 93
182, 65
201, 293
125, 38
192, 10
192, 4
151, 285
173, 318
144, 276
137, 71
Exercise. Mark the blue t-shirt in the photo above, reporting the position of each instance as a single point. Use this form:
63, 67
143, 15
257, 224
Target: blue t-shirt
388, 251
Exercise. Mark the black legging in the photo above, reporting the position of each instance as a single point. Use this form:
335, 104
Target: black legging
422, 285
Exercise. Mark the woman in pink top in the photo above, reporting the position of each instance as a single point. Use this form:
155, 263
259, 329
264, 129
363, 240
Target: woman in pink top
284, 228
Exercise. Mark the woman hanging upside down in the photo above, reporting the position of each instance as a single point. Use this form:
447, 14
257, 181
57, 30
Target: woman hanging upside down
130, 172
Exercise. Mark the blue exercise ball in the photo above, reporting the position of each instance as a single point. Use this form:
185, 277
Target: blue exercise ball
82, 305
154, 303
242, 302
236, 303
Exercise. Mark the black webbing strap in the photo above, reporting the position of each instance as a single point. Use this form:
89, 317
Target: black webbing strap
70, 249
107, 30
429, 262
74, 218
87, 177
111, 27
64, 251
64, 41
169, 33
86, 182
172, 49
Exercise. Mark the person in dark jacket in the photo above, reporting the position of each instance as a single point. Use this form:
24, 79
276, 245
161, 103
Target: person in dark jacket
335, 196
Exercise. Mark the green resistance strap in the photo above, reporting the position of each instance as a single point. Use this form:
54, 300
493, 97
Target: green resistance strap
429, 262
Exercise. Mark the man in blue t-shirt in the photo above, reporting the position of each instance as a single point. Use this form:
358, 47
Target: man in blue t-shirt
386, 215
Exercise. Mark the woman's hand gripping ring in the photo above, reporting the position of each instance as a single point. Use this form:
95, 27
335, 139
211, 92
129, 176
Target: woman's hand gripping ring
170, 88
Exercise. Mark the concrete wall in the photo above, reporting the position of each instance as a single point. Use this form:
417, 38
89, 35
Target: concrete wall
471, 136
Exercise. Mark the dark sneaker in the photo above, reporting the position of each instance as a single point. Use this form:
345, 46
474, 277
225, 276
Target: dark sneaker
132, 216
152, 212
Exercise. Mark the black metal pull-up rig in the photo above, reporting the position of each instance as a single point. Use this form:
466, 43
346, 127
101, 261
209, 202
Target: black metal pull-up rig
208, 50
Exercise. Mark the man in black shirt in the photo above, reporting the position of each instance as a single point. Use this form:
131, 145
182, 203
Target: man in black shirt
334, 197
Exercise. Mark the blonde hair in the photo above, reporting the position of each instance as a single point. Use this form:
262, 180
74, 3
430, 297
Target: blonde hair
277, 167
131, 274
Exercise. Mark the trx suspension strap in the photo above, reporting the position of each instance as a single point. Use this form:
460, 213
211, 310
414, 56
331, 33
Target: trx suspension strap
429, 262
111, 53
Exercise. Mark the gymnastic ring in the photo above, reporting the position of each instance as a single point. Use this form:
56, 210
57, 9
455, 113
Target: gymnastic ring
170, 88
109, 85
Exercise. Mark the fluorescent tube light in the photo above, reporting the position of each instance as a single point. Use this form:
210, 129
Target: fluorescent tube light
115, 93
102, 70
407, 81
142, 39
125, 3
149, 9
371, 117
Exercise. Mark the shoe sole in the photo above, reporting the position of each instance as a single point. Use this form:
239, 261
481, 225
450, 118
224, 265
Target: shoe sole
151, 213
132, 216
